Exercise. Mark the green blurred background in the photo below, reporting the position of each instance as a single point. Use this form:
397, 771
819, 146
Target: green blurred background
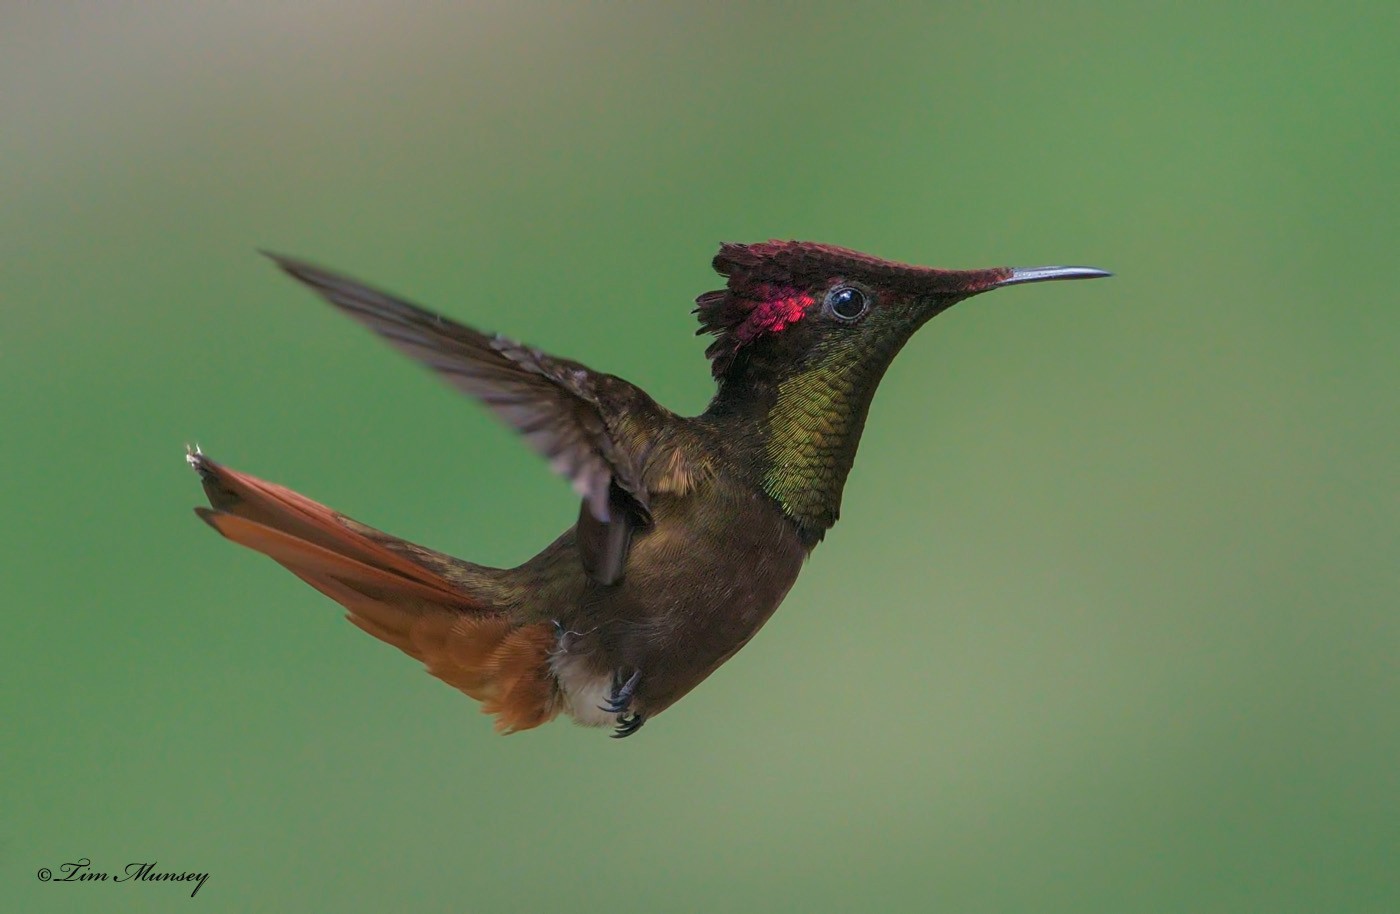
1110, 623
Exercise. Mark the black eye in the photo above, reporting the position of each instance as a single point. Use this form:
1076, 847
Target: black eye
846, 303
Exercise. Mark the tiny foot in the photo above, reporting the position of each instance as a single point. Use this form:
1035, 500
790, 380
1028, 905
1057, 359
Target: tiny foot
628, 724
622, 693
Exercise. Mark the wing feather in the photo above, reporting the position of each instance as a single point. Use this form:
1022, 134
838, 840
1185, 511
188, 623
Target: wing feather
569, 414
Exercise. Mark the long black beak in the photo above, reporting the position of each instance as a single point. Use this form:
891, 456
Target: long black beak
1045, 274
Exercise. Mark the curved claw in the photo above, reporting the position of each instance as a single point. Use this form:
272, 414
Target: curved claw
627, 725
622, 693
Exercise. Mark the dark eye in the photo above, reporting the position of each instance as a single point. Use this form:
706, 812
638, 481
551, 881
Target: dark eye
846, 303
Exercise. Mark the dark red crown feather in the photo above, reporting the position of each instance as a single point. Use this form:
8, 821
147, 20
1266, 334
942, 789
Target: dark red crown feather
771, 283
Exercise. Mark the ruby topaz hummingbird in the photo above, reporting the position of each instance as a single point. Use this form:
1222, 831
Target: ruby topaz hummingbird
691, 530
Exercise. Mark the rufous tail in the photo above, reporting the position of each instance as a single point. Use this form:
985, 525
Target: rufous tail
399, 592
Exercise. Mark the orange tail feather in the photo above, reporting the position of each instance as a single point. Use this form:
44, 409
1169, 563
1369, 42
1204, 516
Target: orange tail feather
472, 646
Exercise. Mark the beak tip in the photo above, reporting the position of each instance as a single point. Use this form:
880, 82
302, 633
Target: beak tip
1020, 275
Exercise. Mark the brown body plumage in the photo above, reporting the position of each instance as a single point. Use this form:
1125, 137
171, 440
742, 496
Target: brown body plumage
691, 531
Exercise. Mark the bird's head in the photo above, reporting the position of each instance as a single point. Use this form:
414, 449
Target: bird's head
801, 304
804, 333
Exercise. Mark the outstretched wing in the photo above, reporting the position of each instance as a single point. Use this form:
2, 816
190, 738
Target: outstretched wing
565, 411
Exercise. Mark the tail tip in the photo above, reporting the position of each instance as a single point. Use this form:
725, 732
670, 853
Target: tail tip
209, 516
196, 459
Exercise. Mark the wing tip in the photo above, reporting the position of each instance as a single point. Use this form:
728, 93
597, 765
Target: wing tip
297, 268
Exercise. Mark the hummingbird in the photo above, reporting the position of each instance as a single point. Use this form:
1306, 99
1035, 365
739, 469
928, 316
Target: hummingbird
691, 530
